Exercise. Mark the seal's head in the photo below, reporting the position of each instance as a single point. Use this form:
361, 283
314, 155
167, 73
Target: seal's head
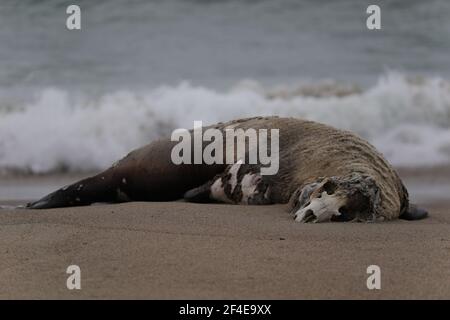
350, 198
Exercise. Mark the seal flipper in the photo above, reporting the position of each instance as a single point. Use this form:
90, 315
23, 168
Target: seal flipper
414, 213
200, 194
52, 200
98, 188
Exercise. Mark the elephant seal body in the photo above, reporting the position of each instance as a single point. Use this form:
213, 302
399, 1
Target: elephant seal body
324, 174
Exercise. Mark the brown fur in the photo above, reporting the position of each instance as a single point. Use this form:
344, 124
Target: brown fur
309, 150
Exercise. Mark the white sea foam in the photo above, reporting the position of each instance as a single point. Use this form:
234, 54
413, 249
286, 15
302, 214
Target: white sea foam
407, 119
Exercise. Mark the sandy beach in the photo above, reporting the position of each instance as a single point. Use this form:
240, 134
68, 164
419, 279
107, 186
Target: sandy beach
82, 85
180, 250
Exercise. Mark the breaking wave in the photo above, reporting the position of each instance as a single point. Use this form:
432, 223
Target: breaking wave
407, 119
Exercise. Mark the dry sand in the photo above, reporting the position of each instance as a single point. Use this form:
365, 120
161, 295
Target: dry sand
181, 250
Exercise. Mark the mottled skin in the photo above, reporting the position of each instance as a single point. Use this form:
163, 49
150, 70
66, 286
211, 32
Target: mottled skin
309, 153
309, 150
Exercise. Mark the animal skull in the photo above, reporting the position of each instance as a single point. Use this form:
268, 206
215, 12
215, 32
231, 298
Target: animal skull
354, 197
321, 209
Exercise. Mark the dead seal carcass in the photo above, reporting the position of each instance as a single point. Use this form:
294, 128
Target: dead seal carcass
325, 174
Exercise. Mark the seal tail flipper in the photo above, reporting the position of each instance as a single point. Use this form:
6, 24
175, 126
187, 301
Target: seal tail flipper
414, 213
84, 192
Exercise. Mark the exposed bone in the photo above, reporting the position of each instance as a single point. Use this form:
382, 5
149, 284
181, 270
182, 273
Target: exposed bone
322, 208
248, 186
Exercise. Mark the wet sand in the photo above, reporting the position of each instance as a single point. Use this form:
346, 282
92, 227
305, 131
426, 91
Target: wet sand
180, 250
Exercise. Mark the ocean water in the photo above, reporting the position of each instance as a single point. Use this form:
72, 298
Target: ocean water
79, 100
